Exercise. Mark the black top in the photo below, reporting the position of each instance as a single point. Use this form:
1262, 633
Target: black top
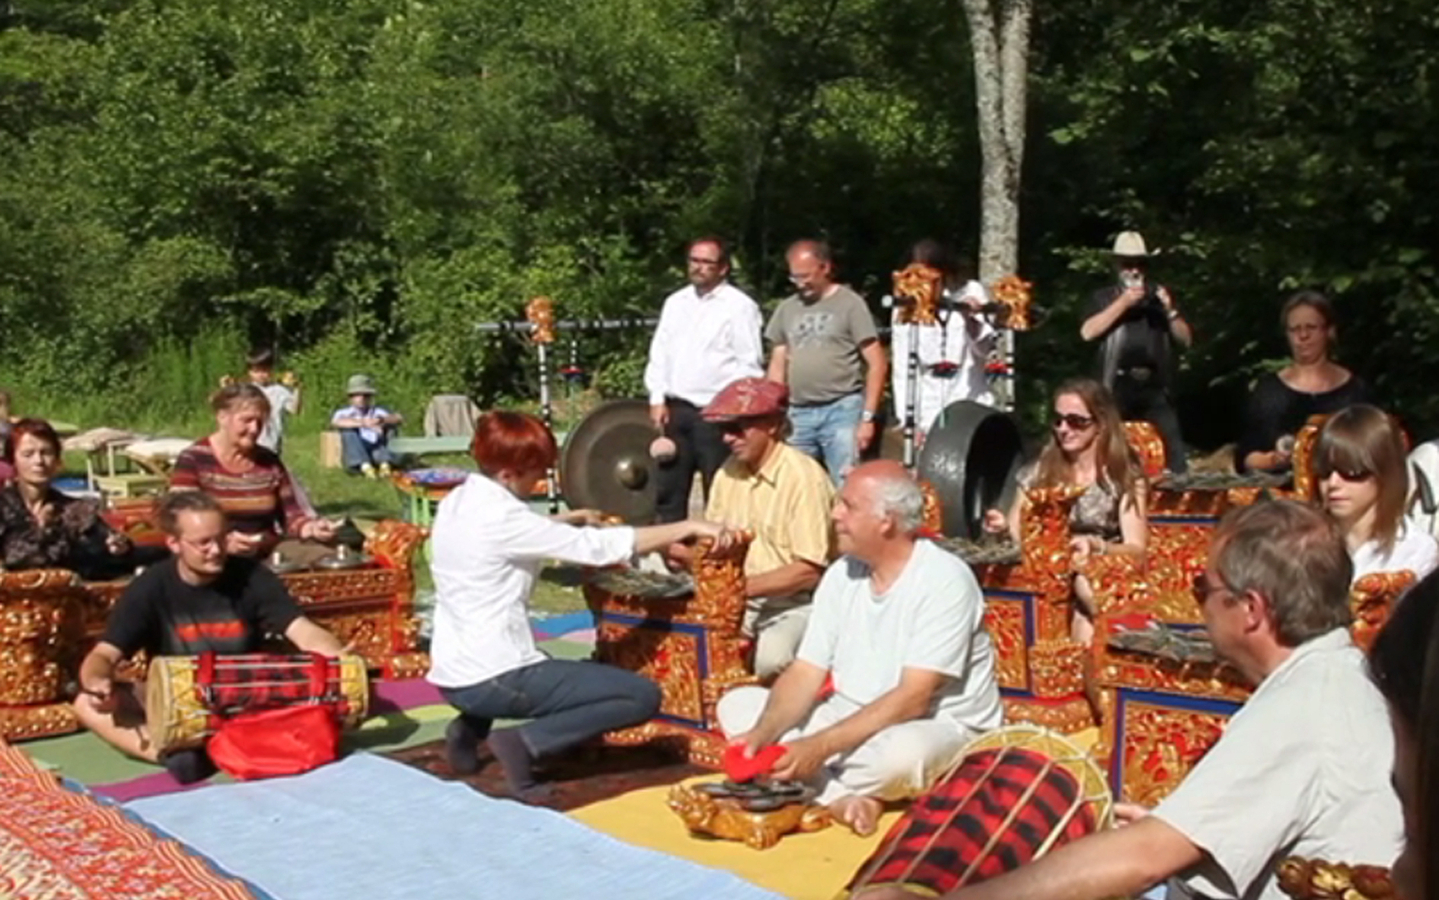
1138, 339
167, 616
1276, 409
73, 536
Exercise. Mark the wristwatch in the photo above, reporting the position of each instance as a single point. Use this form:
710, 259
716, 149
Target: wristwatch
866, 416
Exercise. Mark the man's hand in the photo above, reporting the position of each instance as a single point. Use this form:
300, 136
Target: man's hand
1166, 298
659, 416
585, 517
100, 694
802, 758
1131, 296
724, 537
995, 521
1129, 813
752, 741
864, 435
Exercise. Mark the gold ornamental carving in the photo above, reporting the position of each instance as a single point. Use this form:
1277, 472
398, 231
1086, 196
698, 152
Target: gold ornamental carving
1160, 746
1004, 619
1316, 879
723, 817
917, 291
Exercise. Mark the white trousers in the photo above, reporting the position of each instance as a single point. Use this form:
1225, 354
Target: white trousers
777, 631
899, 762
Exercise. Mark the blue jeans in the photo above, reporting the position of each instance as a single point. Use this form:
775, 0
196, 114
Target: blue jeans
827, 432
568, 701
354, 452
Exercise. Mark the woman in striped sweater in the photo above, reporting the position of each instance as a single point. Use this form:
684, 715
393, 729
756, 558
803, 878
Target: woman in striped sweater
262, 501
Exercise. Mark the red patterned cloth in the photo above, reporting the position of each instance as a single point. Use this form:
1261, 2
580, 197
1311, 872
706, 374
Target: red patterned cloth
947, 830
56, 844
247, 682
746, 398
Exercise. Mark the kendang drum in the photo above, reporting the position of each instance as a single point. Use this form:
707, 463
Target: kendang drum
186, 697
1015, 794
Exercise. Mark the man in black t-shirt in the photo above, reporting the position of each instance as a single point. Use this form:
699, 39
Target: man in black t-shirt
1137, 324
198, 600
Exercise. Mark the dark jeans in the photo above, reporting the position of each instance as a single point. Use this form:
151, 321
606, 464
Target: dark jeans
698, 447
1146, 401
568, 701
355, 453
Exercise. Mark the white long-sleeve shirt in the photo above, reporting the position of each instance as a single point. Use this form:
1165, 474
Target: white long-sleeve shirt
487, 547
703, 343
950, 343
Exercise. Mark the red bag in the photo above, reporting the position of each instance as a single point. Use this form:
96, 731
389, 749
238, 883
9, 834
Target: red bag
271, 740
285, 741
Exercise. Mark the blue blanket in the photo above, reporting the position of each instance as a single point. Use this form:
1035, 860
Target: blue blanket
367, 827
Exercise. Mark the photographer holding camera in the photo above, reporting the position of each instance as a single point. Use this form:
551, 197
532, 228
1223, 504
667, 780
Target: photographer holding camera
1137, 323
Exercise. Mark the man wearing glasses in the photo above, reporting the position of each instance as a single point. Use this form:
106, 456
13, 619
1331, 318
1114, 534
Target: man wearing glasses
708, 336
1302, 769
827, 351
199, 600
783, 498
1137, 324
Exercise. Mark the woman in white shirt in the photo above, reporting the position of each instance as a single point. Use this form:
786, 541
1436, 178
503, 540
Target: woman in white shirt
953, 352
488, 546
1362, 481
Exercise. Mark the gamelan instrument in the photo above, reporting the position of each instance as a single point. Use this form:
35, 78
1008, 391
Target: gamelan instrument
757, 812
1315, 879
606, 462
186, 697
1015, 794
971, 458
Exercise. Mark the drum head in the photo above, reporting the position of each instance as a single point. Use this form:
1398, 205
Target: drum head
606, 463
972, 460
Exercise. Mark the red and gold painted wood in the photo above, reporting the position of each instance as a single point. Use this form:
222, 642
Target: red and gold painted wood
49, 619
691, 646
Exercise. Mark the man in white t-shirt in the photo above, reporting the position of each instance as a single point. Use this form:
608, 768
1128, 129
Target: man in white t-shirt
899, 625
1302, 769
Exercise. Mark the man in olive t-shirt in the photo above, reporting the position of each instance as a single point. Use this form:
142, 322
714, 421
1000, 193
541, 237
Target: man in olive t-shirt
827, 351
198, 600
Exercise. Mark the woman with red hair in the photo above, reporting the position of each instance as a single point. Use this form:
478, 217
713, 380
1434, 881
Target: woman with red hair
488, 547
43, 528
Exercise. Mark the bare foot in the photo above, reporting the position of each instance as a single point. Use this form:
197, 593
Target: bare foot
861, 814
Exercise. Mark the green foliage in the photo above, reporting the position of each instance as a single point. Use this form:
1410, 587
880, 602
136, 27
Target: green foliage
358, 183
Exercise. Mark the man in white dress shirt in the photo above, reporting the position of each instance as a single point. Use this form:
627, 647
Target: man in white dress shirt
1302, 769
708, 336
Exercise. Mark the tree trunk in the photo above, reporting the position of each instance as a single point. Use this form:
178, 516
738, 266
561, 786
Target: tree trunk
999, 38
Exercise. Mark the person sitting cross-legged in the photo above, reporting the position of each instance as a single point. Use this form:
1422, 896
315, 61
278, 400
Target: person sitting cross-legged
899, 624
201, 599
1302, 769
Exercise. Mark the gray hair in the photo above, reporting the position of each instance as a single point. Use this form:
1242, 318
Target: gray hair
1294, 556
899, 495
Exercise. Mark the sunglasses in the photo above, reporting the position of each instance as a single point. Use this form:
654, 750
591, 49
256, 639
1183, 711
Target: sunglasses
1072, 421
733, 427
1351, 475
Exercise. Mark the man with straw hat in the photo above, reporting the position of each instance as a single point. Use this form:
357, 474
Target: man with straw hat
1137, 323
365, 430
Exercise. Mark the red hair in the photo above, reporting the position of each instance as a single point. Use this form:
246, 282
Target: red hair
515, 441
36, 428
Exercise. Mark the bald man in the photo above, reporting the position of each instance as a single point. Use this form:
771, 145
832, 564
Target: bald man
899, 623
827, 351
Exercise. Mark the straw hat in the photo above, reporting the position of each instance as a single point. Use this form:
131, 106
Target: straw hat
1130, 245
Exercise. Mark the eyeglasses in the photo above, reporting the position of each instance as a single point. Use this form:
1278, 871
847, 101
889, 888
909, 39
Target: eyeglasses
701, 261
1304, 329
1072, 421
1203, 588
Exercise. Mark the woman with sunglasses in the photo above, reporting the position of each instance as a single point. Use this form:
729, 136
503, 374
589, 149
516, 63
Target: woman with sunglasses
1362, 482
1088, 449
1312, 384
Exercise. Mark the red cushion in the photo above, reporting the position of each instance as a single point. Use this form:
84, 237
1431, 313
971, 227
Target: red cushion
739, 767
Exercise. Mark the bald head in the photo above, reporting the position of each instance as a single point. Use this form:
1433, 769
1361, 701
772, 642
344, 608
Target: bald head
891, 492
810, 267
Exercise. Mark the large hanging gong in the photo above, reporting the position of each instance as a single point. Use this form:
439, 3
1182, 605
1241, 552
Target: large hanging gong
606, 463
972, 459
